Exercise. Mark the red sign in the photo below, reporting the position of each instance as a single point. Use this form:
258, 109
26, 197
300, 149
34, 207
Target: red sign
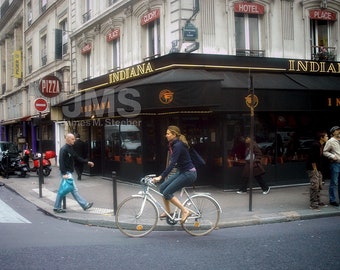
249, 8
322, 14
114, 34
40, 104
150, 17
86, 49
50, 86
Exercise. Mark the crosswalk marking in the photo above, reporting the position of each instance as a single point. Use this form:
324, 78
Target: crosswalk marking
8, 215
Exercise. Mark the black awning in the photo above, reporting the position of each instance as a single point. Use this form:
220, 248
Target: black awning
317, 82
174, 76
240, 80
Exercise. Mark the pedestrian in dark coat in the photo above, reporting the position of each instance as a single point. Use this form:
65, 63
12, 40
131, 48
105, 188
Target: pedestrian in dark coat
258, 169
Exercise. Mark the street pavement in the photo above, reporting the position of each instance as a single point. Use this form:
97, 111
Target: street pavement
282, 204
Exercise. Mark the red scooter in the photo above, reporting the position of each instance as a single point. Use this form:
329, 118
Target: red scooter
36, 161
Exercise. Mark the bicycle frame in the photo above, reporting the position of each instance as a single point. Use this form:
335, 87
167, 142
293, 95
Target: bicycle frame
147, 195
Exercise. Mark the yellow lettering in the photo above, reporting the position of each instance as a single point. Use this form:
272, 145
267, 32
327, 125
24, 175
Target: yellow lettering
302, 65
329, 102
291, 65
337, 102
148, 68
314, 66
141, 69
331, 68
133, 73
130, 72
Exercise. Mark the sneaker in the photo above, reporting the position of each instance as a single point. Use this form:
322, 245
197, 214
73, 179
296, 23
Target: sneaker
241, 192
88, 206
314, 207
59, 210
266, 192
322, 204
334, 203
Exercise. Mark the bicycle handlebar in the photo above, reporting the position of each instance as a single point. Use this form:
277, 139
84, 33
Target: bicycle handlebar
147, 180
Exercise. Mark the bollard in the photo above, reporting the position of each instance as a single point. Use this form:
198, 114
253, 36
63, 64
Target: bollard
114, 188
64, 202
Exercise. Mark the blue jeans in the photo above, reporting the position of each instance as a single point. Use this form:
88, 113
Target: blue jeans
82, 202
335, 171
177, 181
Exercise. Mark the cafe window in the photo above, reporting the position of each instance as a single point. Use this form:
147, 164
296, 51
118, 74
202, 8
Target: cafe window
247, 33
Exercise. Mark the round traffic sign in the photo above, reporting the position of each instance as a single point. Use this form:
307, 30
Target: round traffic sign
40, 104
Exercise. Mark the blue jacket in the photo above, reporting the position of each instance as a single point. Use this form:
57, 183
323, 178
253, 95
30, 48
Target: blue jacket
179, 158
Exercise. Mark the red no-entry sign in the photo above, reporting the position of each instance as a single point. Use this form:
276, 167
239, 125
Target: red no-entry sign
40, 104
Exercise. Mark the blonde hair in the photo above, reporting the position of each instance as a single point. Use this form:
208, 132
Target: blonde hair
176, 131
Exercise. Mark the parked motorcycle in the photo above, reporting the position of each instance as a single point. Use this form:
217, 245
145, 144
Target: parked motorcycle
36, 161
12, 164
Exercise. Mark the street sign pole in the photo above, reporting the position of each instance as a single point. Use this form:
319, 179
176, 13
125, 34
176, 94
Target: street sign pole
251, 101
41, 175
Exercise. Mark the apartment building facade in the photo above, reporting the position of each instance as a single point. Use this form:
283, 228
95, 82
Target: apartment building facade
133, 67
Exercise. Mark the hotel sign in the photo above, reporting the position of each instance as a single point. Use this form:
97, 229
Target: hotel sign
249, 8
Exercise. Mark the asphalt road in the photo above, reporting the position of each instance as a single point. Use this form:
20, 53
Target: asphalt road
29, 239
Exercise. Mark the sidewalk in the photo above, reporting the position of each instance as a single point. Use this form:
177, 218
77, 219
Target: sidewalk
280, 205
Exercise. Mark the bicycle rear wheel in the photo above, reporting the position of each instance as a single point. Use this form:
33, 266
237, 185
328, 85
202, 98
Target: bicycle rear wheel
136, 216
205, 214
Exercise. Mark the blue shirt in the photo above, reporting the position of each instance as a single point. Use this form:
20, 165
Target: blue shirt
179, 158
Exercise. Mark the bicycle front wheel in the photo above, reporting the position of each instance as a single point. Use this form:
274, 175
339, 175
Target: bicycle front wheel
136, 216
205, 214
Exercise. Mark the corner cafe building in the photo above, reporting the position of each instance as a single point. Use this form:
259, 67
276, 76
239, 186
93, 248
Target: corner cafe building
205, 96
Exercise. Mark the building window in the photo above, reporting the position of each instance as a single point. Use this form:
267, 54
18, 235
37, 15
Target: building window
87, 69
111, 2
153, 32
29, 14
29, 60
320, 37
247, 32
64, 28
43, 46
43, 4
87, 8
115, 54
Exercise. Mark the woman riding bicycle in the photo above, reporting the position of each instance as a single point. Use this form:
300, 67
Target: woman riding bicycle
185, 173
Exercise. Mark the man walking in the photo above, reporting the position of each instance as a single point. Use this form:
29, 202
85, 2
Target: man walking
67, 155
314, 169
80, 148
332, 152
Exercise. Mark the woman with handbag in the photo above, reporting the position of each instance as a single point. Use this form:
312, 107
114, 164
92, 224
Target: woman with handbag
185, 174
258, 169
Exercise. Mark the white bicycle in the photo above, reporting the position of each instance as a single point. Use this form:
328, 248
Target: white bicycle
138, 214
